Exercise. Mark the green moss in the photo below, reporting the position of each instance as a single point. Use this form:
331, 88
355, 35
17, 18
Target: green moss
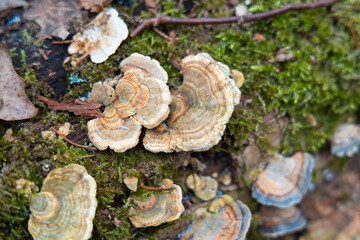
322, 80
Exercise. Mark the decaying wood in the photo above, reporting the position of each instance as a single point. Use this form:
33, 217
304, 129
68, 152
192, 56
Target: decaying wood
246, 164
85, 109
165, 20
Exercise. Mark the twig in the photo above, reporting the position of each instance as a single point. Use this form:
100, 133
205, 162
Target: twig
156, 188
104, 191
165, 20
71, 142
162, 34
88, 52
353, 32
62, 42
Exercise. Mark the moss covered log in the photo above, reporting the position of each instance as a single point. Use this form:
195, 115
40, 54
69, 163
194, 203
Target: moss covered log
317, 89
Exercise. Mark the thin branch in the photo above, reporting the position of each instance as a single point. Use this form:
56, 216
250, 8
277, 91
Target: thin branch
162, 34
156, 188
88, 52
165, 20
353, 33
71, 142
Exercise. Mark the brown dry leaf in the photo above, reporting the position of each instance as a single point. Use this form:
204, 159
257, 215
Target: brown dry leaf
14, 104
8, 4
53, 16
93, 5
152, 4
259, 38
82, 108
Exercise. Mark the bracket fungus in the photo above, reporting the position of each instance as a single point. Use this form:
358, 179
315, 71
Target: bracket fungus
101, 37
276, 222
231, 222
346, 140
200, 109
204, 187
158, 208
284, 181
142, 100
65, 207
14, 104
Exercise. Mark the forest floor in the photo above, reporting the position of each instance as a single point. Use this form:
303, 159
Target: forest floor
302, 78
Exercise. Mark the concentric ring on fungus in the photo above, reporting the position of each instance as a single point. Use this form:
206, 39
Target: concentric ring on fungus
200, 109
65, 207
284, 181
230, 223
158, 208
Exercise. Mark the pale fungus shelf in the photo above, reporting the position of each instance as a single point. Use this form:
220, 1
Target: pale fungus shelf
230, 223
158, 208
284, 181
346, 140
200, 110
276, 222
141, 100
65, 207
102, 93
204, 187
101, 37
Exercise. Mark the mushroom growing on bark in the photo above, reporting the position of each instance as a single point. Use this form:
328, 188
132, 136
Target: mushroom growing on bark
65, 207
276, 222
346, 140
102, 36
230, 223
284, 181
204, 187
158, 208
200, 109
142, 100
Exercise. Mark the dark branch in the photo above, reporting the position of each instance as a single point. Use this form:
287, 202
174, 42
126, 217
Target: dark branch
165, 20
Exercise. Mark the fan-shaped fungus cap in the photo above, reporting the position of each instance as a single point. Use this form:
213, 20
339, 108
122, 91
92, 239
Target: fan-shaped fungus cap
284, 181
278, 222
232, 222
200, 109
112, 131
149, 67
65, 207
204, 187
158, 208
346, 140
108, 29
341, 225
147, 98
102, 93
131, 182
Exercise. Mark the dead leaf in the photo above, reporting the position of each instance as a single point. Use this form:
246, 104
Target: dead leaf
85, 109
92, 5
53, 16
152, 4
8, 4
259, 38
15, 105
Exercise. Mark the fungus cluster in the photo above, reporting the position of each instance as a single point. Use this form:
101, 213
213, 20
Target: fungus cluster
231, 222
141, 98
280, 186
204, 187
65, 207
200, 109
